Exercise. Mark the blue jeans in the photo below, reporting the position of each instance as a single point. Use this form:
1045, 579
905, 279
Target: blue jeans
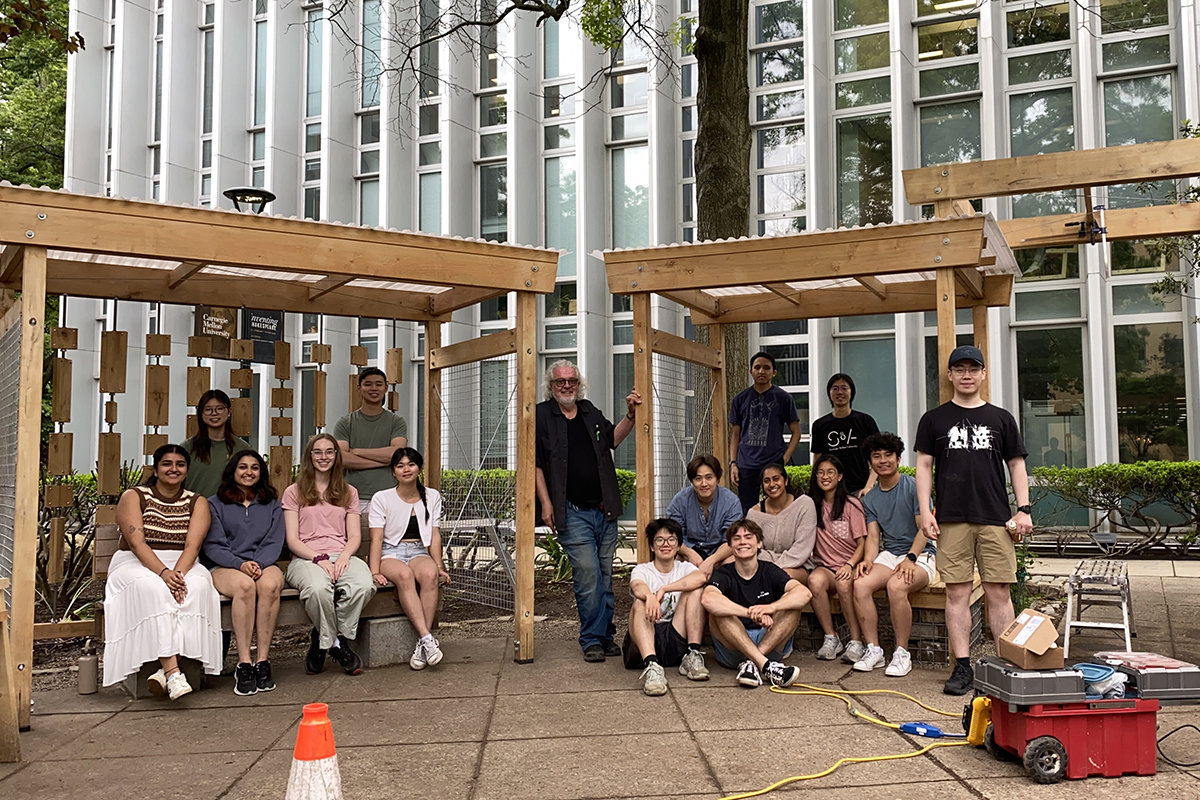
590, 541
732, 658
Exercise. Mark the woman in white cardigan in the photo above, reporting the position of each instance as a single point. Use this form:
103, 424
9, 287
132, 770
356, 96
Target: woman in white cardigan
406, 549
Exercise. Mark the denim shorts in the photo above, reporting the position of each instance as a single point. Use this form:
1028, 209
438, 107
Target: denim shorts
731, 658
405, 550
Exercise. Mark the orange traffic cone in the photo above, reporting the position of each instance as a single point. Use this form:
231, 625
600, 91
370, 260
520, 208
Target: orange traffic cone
315, 774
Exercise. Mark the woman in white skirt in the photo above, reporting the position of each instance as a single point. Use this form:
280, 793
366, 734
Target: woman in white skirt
159, 602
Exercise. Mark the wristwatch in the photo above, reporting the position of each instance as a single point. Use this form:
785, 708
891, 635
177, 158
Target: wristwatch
1026, 509
911, 557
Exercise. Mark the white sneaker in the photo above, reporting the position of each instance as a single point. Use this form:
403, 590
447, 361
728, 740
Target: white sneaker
901, 664
418, 658
654, 679
693, 667
178, 686
433, 652
854, 652
871, 659
830, 648
156, 684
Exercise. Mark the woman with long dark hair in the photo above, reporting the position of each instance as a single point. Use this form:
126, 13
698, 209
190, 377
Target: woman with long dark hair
159, 603
839, 547
788, 524
406, 549
245, 539
213, 445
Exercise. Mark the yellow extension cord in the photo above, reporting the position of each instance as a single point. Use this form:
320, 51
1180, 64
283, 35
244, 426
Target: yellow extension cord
844, 695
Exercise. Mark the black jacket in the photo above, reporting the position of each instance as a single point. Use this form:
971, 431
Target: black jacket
552, 456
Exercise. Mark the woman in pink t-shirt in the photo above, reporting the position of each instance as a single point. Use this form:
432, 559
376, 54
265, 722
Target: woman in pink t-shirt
320, 514
840, 544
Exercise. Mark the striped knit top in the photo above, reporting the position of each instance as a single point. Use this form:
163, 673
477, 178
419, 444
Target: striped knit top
164, 519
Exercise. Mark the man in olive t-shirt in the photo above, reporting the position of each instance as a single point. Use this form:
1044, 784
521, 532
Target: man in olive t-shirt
368, 437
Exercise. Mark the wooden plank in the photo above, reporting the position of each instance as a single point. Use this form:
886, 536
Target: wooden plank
10, 719
460, 297
114, 356
108, 465
153, 441
281, 426
327, 285
158, 395
355, 402
11, 262
971, 280
873, 285
173, 233
281, 397
720, 404
110, 412
107, 540
241, 379
1154, 161
158, 344
481, 348
56, 540
433, 406
241, 416
191, 426
199, 346
979, 319
184, 271
643, 426
526, 473
279, 465
945, 328
60, 387
60, 495
393, 401
320, 353
64, 338
241, 349
320, 377
283, 361
393, 361
1123, 224
843, 253
59, 453
71, 629
695, 300
358, 355
199, 381
784, 291
28, 442
686, 350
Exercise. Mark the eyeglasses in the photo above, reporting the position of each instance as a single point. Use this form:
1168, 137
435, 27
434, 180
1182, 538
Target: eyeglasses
560, 382
214, 410
827, 473
660, 541
973, 369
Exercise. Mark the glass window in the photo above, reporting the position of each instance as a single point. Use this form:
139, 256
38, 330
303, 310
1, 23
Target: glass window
560, 210
368, 203
947, 40
551, 56
258, 145
785, 65
312, 169
773, 227
371, 63
430, 55
1051, 385
949, 80
622, 332
1138, 110
780, 105
431, 202
494, 309
781, 192
310, 323
1140, 298
562, 302
560, 136
872, 362
1034, 67
1055, 304
493, 413
1042, 122
858, 53
493, 110
493, 202
1045, 204
307, 393
962, 316
779, 21
491, 145
625, 456
933, 369
791, 361
1132, 256
314, 31
260, 73
557, 103
1151, 392
1133, 53
853, 13
630, 126
631, 196
312, 202
950, 133
561, 337
780, 147
1118, 16
864, 169
369, 127
1047, 263
207, 122
787, 327
851, 94
1039, 24
429, 124
926, 8
312, 138
628, 90
430, 153
867, 322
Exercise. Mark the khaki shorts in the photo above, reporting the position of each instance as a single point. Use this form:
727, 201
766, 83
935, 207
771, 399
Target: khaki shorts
924, 561
964, 546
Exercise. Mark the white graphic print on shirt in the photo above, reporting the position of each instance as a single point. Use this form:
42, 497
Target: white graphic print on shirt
965, 436
762, 409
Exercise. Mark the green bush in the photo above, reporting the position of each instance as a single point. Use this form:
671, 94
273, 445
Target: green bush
501, 484
798, 477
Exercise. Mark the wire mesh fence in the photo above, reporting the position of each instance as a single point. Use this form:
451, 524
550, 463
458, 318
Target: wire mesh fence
683, 394
478, 410
10, 372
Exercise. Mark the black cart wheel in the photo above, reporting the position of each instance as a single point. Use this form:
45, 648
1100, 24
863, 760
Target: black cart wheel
994, 750
1046, 759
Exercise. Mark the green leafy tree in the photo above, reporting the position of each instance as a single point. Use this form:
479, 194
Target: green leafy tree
44, 20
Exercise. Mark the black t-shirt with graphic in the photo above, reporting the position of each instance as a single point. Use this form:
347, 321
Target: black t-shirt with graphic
842, 437
970, 449
765, 586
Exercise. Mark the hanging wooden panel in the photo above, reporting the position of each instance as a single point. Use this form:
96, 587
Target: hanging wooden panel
393, 401
281, 397
64, 338
114, 354
60, 383
281, 426
108, 465
394, 365
319, 382
153, 441
199, 381
110, 412
191, 426
158, 344
54, 556
60, 495
355, 395
158, 394
283, 361
279, 465
106, 515
58, 455
321, 353
200, 346
241, 379
241, 349
358, 355
242, 416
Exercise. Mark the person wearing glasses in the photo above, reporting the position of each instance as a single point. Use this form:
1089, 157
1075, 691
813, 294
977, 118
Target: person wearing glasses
968, 442
841, 433
579, 497
213, 445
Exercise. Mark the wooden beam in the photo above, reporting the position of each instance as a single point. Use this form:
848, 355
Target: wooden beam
844, 253
873, 285
461, 297
526, 473
493, 345
979, 319
327, 285
945, 330
175, 233
696, 300
643, 425
184, 271
25, 517
1155, 161
720, 405
433, 409
668, 344
72, 629
10, 737
784, 291
971, 280
10, 262
1123, 224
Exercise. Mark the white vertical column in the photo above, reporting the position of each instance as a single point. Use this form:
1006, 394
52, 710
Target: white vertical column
460, 195
398, 184
524, 133
83, 170
340, 84
133, 98
183, 95
233, 73
285, 105
819, 129
592, 213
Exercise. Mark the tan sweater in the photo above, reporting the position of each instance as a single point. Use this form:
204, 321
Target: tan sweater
788, 536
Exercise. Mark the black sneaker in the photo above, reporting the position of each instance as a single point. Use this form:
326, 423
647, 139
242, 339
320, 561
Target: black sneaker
244, 680
314, 661
780, 675
593, 653
262, 676
962, 680
610, 648
346, 658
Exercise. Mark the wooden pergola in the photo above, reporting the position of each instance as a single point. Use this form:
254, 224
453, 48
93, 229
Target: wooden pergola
61, 243
913, 266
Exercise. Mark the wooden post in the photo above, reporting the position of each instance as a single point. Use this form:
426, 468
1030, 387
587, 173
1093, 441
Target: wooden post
720, 405
643, 426
10, 738
280, 467
979, 316
433, 407
319, 381
945, 327
25, 517
526, 473
158, 395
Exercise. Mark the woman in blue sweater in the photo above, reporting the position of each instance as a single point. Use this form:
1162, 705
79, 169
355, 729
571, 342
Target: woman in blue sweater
245, 539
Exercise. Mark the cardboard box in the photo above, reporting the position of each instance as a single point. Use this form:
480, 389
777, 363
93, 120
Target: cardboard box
1031, 642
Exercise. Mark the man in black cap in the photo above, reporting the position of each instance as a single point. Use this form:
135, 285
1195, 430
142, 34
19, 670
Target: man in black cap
969, 441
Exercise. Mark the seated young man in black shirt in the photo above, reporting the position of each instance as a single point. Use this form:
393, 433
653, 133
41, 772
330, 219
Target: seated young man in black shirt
753, 609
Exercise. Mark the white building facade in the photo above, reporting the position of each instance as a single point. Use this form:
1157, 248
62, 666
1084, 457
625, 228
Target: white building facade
535, 136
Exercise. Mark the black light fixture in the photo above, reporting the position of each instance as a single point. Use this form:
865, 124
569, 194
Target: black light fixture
254, 198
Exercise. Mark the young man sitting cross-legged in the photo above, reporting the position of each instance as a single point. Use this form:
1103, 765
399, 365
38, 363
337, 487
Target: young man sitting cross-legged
898, 555
666, 622
753, 609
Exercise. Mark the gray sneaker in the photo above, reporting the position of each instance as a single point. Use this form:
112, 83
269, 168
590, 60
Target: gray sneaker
872, 658
854, 652
830, 648
654, 680
693, 667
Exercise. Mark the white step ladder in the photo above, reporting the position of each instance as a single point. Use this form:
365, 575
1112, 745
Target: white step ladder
1099, 583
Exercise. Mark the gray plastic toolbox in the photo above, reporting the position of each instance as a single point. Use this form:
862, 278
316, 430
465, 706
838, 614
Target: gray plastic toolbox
1155, 676
998, 678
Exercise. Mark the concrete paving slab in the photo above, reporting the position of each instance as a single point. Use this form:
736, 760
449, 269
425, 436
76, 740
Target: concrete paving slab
737, 708
741, 765
160, 776
566, 675
54, 732
400, 682
974, 762
292, 688
180, 730
555, 649
405, 722
926, 790
1187, 569
1151, 569
69, 701
1162, 786
592, 767
582, 714
9, 769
